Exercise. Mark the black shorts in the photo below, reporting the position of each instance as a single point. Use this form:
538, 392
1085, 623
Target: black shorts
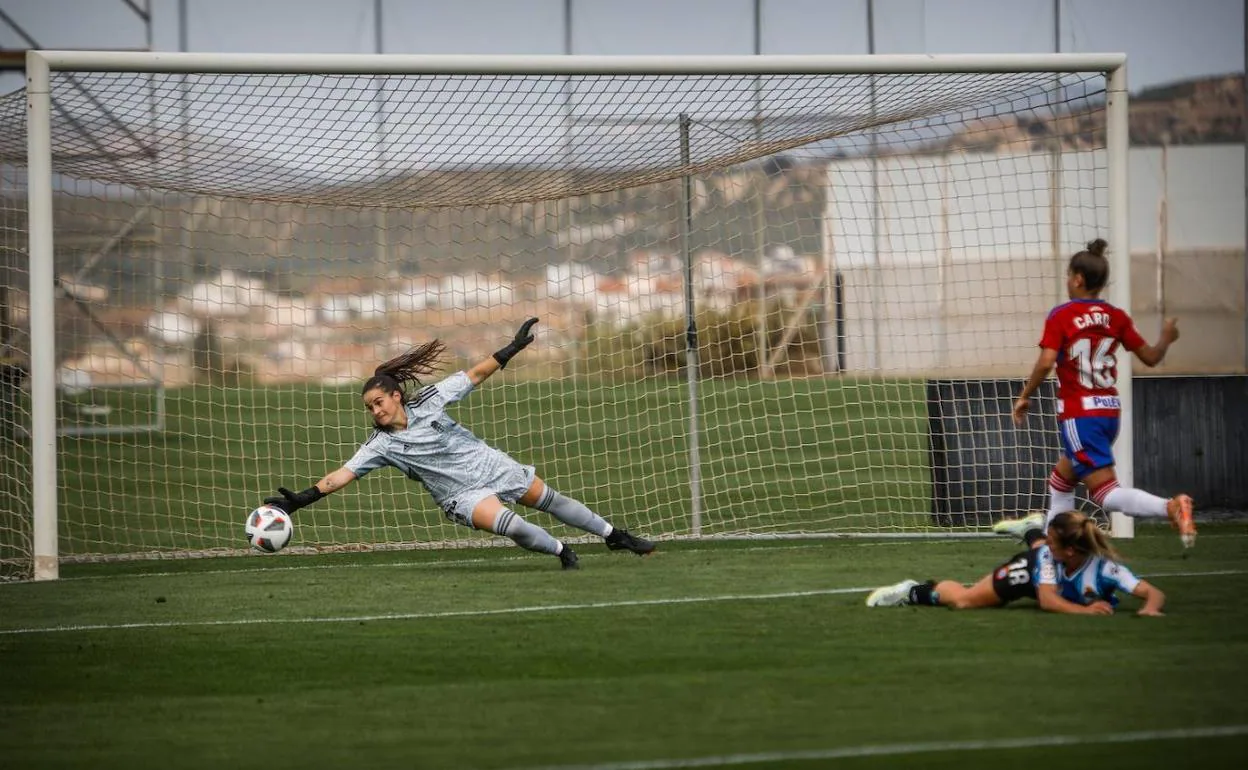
1014, 579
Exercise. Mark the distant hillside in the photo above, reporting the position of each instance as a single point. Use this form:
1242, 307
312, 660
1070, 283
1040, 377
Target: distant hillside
1205, 111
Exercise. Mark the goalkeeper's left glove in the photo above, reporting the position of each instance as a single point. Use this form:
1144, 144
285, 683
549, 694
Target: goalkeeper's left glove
523, 337
291, 501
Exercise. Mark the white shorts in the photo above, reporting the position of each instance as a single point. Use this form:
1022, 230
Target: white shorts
509, 485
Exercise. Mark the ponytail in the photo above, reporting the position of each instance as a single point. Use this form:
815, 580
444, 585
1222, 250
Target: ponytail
1076, 530
407, 368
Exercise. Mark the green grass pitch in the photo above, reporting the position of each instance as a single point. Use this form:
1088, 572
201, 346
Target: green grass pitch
702, 655
831, 454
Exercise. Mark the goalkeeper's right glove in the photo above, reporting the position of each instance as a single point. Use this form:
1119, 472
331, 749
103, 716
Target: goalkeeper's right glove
291, 501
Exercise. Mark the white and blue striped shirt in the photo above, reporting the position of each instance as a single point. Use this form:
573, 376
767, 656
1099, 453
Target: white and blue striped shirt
1097, 579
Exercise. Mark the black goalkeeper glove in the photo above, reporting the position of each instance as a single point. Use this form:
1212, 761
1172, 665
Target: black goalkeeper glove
291, 501
523, 337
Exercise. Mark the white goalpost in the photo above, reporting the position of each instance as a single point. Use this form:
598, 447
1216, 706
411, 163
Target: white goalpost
780, 296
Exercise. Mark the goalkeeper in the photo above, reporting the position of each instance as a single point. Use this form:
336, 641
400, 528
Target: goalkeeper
470, 481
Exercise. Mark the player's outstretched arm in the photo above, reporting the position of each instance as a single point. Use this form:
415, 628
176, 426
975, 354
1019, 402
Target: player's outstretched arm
1044, 365
292, 501
1151, 355
484, 368
1051, 601
1153, 598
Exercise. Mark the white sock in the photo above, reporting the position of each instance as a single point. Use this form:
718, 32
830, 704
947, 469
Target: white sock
1059, 502
1135, 502
1061, 497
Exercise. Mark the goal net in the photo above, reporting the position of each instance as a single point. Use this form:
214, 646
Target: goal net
771, 303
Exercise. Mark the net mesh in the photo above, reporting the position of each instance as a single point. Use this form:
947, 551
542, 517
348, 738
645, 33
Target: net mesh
15, 498
235, 253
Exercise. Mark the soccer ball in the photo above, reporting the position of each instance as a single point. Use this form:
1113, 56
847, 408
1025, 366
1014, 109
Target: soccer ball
269, 529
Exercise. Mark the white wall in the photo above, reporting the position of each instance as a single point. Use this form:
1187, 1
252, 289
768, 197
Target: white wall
966, 266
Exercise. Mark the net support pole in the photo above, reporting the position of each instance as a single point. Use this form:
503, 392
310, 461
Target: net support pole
875, 352
944, 266
187, 220
380, 218
1055, 171
760, 213
1055, 219
691, 331
1117, 146
42, 317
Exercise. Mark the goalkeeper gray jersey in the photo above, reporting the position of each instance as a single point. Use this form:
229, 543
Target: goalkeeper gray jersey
435, 450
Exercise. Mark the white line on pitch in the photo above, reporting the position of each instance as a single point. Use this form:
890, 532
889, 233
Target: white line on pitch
1210, 573
932, 747
502, 611
462, 562
437, 615
496, 560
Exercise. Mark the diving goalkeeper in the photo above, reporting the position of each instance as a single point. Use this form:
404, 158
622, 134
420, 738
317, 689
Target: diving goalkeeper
471, 481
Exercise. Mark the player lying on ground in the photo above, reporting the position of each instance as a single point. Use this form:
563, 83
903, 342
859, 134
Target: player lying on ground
470, 480
1081, 337
1075, 571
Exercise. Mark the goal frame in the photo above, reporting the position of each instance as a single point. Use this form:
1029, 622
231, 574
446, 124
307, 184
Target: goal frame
40, 65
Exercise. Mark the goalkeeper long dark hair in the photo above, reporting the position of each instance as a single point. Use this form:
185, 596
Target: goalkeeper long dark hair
406, 368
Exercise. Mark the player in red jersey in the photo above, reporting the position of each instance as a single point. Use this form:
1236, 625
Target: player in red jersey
1082, 338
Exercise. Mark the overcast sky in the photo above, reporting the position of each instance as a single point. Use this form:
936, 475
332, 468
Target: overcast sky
1166, 40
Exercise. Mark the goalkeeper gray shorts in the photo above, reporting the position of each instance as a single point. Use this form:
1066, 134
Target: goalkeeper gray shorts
509, 484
